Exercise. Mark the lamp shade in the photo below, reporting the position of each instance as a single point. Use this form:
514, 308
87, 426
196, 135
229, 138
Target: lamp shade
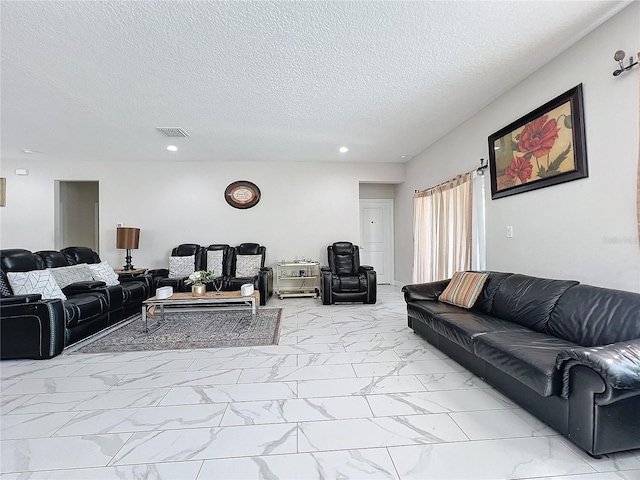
127, 237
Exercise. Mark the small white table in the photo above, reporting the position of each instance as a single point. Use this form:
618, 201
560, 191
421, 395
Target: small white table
187, 302
297, 279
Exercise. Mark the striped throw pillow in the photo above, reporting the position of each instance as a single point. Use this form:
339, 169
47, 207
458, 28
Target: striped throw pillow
463, 289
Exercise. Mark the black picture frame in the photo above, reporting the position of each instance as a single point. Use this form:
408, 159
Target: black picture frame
242, 194
536, 151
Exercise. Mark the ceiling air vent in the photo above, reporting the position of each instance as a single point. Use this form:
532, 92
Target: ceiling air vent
172, 132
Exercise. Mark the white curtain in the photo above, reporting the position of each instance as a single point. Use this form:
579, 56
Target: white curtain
443, 229
479, 260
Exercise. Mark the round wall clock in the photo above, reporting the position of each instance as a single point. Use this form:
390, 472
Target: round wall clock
242, 194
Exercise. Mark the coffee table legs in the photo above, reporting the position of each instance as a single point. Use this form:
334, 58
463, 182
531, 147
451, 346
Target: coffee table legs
144, 318
145, 315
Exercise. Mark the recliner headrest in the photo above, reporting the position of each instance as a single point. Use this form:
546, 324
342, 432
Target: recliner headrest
248, 249
80, 255
185, 250
343, 248
20, 260
53, 258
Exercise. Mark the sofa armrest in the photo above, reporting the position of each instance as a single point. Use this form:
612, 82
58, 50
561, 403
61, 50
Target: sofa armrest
18, 299
82, 287
364, 268
33, 329
325, 285
158, 272
146, 279
618, 364
424, 291
265, 284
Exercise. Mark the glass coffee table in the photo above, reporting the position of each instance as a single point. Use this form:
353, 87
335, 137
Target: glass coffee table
182, 302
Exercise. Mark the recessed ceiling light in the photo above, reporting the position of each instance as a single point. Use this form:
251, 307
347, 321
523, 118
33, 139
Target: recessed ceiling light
343, 149
172, 148
24, 150
403, 156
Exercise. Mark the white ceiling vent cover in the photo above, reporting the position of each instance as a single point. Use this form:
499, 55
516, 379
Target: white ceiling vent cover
172, 131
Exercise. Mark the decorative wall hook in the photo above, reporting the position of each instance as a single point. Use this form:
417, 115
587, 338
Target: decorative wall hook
619, 57
483, 166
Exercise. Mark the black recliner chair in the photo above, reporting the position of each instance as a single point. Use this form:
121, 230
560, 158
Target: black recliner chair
345, 280
161, 275
262, 282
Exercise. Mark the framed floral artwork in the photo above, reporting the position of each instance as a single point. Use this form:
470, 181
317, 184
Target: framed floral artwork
543, 148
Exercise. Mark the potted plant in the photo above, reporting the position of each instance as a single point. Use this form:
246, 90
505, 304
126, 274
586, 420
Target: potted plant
198, 281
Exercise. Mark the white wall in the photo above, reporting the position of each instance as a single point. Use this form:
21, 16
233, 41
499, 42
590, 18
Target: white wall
304, 207
585, 229
374, 191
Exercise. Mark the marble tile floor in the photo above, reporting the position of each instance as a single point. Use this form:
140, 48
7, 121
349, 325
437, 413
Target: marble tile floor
349, 393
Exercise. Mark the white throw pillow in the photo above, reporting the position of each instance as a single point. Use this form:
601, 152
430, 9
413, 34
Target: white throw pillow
65, 276
214, 262
248, 265
104, 272
180, 267
36, 281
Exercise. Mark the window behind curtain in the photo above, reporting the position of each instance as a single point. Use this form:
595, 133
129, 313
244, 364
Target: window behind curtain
448, 232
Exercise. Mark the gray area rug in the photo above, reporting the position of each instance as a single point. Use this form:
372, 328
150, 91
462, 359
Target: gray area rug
187, 330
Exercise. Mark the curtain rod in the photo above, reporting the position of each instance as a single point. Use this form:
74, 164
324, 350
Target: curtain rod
480, 171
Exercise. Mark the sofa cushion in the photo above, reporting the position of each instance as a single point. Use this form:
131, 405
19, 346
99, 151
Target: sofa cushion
593, 316
248, 265
214, 262
484, 303
348, 283
426, 310
35, 281
180, 267
104, 272
528, 300
527, 356
463, 289
463, 326
65, 276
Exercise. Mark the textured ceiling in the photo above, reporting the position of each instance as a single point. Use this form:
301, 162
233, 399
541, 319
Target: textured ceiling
265, 81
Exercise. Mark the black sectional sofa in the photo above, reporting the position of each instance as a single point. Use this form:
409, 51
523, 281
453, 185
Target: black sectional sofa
568, 353
31, 327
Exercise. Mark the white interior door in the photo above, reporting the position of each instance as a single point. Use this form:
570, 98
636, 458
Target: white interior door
376, 237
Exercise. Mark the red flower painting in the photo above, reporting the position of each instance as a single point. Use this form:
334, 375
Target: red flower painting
544, 147
521, 168
538, 136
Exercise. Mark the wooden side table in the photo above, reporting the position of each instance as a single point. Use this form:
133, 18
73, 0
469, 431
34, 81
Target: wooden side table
131, 273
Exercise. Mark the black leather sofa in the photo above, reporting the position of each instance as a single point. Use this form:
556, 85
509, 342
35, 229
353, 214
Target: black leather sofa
568, 353
262, 282
34, 328
345, 280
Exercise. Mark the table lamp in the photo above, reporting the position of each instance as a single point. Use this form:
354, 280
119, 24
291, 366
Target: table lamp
127, 238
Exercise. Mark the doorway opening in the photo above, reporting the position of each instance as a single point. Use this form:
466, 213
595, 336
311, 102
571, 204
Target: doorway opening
77, 219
